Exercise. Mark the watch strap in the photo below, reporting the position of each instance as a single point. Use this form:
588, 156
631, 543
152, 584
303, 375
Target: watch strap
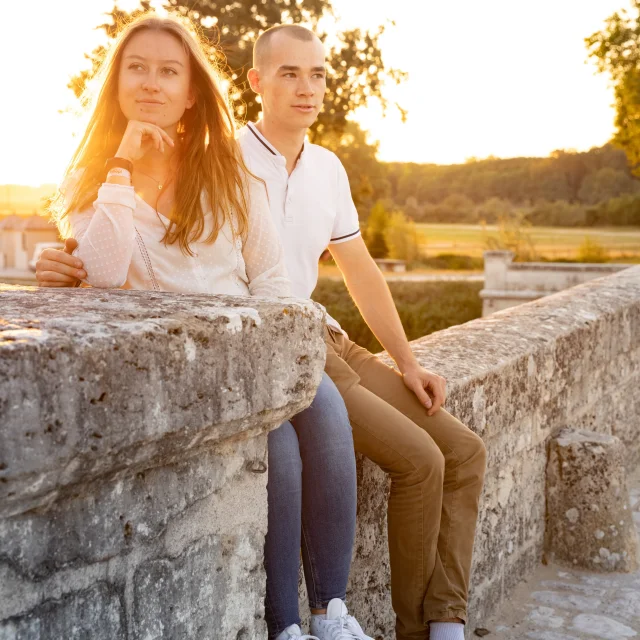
121, 163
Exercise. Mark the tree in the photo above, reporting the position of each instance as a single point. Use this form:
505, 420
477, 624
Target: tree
604, 184
401, 237
374, 235
616, 51
358, 155
356, 71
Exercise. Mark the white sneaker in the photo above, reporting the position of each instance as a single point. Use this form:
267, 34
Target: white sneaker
337, 624
294, 632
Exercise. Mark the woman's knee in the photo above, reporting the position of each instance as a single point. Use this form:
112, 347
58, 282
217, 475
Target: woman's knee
329, 402
326, 421
284, 452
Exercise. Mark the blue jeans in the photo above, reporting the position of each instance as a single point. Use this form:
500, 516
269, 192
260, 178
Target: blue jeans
312, 505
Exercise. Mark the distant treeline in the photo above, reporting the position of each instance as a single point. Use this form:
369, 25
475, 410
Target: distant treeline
567, 189
594, 188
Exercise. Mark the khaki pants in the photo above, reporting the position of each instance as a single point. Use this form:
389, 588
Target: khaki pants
436, 466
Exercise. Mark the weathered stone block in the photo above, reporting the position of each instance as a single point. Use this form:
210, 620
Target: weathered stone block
180, 396
93, 381
131, 423
92, 614
196, 596
590, 522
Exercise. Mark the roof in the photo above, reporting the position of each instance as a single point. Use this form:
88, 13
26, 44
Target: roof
38, 223
11, 223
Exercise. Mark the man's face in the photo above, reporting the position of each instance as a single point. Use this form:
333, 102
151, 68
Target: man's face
292, 81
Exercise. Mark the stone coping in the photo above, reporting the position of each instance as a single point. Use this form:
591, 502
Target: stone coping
468, 352
92, 381
515, 294
579, 267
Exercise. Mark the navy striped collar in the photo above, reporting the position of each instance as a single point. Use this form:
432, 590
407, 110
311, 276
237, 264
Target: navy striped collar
267, 145
262, 140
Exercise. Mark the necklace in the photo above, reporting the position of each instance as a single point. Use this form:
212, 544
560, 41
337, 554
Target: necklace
160, 184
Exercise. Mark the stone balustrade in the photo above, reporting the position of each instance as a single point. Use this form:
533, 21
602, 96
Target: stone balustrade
130, 422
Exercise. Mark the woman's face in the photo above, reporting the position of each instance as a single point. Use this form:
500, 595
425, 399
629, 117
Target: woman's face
154, 80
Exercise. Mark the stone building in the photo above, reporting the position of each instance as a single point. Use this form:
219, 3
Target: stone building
19, 236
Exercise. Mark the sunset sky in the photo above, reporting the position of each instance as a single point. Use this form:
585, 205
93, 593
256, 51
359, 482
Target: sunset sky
500, 77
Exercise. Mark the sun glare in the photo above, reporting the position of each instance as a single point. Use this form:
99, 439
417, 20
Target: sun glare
44, 53
506, 81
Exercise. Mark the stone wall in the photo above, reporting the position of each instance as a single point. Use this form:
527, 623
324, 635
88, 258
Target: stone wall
517, 378
129, 420
131, 423
508, 284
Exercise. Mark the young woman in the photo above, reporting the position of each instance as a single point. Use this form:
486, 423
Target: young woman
158, 197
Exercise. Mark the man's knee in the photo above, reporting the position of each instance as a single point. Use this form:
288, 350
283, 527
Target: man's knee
428, 464
477, 460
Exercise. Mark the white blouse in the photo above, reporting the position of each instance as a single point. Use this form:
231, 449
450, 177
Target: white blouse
120, 243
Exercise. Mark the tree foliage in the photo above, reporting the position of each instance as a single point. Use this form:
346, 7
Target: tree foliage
565, 189
356, 71
616, 51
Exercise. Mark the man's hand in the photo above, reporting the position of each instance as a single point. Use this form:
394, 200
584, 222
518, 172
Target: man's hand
430, 388
56, 268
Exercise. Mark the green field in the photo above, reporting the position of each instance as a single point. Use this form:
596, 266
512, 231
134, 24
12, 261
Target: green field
548, 242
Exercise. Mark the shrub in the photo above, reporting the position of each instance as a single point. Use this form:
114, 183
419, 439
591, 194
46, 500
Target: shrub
491, 210
557, 214
592, 251
453, 261
401, 238
424, 307
513, 234
374, 233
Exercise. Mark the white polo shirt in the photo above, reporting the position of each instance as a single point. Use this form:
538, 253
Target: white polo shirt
311, 208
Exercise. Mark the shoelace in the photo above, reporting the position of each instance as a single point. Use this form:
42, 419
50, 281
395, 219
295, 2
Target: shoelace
349, 629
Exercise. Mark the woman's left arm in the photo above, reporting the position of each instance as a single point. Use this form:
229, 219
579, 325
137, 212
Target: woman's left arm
262, 251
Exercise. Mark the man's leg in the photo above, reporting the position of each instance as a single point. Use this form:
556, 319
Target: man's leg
431, 555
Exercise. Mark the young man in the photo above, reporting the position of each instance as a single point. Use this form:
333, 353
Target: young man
435, 463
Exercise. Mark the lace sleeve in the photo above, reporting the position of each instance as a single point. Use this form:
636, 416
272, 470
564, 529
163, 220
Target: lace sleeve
262, 250
106, 236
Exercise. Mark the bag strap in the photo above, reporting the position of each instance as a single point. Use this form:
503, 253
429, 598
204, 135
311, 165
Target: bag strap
147, 261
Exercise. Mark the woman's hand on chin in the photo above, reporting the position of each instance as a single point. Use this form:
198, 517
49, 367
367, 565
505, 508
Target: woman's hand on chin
140, 137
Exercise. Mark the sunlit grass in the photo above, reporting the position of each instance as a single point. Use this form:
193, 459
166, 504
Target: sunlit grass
549, 242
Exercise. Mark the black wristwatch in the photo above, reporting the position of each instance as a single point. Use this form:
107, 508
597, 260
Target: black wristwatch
121, 163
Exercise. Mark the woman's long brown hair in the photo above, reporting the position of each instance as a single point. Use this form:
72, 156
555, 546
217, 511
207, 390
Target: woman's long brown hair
210, 160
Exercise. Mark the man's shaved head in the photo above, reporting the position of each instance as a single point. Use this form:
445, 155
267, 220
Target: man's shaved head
262, 45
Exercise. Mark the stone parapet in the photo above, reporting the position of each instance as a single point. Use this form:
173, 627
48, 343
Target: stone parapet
589, 517
517, 378
120, 536
131, 424
508, 283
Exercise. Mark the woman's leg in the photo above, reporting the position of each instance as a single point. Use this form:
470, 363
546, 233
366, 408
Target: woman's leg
328, 494
282, 543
